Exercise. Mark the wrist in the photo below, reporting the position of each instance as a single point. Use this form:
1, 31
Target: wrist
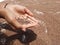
3, 4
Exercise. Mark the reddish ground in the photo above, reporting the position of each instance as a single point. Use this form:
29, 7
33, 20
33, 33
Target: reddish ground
48, 14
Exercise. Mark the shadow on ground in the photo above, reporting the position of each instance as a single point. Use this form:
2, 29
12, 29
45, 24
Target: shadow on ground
24, 37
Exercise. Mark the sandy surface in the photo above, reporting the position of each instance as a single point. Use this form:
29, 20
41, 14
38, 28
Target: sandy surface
48, 14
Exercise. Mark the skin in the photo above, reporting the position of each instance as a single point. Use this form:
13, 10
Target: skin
11, 12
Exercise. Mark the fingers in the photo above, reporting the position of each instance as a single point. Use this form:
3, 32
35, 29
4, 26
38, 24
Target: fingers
31, 24
28, 12
24, 10
32, 18
20, 9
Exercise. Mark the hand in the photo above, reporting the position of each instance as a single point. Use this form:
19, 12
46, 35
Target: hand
11, 12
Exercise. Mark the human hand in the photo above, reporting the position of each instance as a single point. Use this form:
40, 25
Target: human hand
11, 12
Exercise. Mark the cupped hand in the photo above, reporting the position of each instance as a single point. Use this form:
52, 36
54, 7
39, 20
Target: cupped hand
11, 12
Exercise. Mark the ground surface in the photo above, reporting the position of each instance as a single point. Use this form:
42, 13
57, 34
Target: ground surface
48, 14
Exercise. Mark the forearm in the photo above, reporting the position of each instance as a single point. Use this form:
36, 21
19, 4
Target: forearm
5, 2
2, 6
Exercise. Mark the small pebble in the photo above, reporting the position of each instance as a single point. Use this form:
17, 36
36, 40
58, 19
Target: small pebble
58, 12
3, 30
46, 31
38, 12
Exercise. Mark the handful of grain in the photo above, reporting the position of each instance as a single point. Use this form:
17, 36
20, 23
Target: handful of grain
26, 20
